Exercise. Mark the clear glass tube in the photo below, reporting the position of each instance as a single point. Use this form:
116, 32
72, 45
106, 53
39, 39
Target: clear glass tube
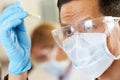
34, 15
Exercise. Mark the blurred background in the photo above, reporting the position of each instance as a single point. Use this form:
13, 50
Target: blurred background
45, 8
48, 11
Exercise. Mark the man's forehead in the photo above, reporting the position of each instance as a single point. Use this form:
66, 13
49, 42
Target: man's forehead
77, 10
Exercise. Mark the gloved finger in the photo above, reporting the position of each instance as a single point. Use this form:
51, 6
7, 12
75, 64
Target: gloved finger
8, 23
4, 34
24, 39
14, 5
20, 15
12, 43
10, 12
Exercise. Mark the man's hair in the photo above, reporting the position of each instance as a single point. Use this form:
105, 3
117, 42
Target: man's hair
61, 2
110, 7
107, 7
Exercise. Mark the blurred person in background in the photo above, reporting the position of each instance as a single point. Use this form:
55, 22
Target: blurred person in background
50, 57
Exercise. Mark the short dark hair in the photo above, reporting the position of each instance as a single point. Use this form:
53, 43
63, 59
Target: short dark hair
110, 7
61, 2
107, 7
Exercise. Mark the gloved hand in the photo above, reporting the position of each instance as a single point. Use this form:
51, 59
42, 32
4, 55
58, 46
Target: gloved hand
14, 38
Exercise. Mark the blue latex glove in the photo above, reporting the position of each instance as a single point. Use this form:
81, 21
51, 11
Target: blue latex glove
14, 38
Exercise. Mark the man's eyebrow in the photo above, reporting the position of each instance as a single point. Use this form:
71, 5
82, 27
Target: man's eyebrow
85, 19
81, 20
63, 24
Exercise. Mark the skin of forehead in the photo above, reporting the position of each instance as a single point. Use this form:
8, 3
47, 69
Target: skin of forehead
77, 10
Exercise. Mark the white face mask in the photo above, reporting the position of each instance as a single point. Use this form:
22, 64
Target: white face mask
89, 52
53, 66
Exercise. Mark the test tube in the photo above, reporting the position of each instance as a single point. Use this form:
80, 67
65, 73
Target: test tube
34, 15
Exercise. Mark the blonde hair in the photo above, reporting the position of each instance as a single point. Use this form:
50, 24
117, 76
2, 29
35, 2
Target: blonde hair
42, 35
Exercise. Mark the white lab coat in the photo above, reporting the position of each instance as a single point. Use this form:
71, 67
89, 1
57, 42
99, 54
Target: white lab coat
39, 74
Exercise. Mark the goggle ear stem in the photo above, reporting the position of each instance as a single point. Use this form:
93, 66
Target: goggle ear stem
107, 32
116, 18
110, 23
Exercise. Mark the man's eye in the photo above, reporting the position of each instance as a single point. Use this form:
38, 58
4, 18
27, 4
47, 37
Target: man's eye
88, 25
68, 32
88, 28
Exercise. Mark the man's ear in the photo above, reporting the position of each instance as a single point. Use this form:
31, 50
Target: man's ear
119, 29
119, 23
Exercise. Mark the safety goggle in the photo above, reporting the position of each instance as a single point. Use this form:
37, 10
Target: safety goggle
99, 25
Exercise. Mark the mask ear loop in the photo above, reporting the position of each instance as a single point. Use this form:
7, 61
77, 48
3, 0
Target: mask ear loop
117, 25
110, 23
117, 58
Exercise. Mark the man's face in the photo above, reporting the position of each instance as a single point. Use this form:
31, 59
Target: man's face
79, 10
